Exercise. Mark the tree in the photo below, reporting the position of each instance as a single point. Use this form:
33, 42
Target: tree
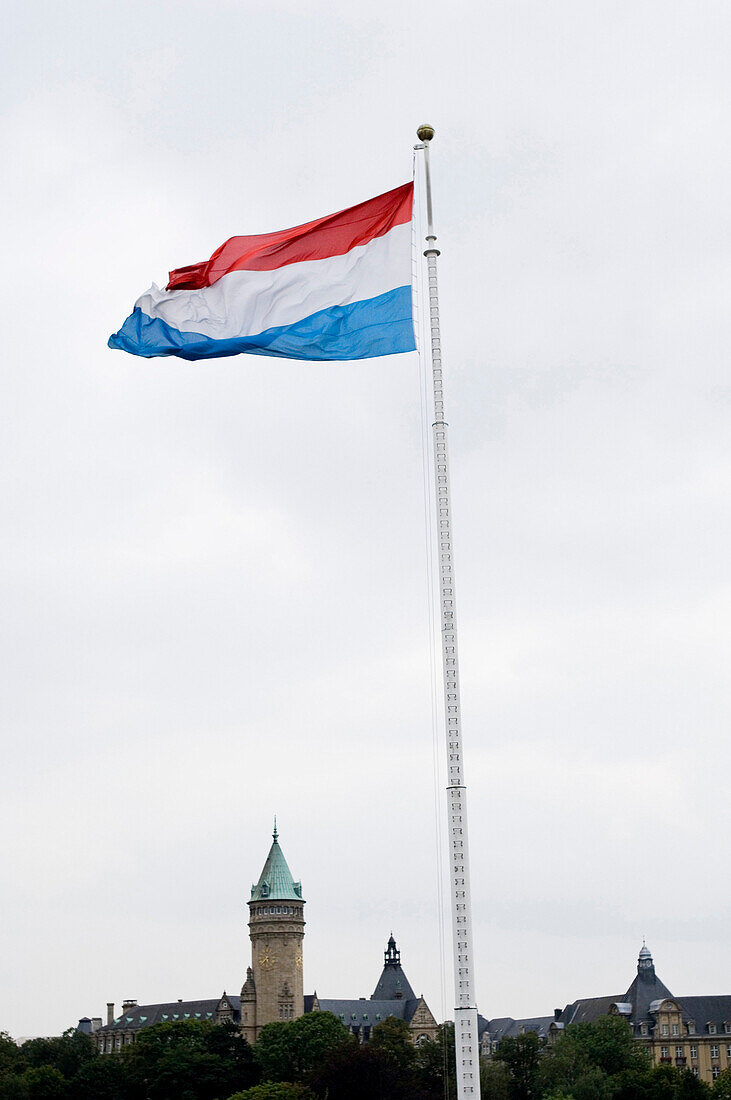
9, 1052
67, 1053
107, 1077
393, 1038
45, 1083
522, 1056
494, 1080
12, 1087
365, 1072
593, 1061
722, 1086
294, 1049
275, 1090
435, 1063
189, 1060
691, 1087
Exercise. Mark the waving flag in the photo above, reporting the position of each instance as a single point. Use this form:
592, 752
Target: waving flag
335, 288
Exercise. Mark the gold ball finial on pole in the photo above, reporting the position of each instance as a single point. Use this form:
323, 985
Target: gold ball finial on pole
425, 132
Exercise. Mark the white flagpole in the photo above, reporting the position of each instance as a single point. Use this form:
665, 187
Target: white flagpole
465, 1012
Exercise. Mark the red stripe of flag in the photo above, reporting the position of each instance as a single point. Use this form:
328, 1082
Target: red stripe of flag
333, 235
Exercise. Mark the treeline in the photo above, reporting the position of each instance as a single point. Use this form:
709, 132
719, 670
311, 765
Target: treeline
316, 1058
311, 1058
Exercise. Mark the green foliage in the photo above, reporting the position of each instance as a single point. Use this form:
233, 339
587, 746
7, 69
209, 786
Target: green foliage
106, 1077
67, 1053
522, 1057
435, 1065
722, 1086
393, 1038
691, 1087
12, 1087
45, 1083
494, 1080
362, 1073
295, 1049
189, 1060
275, 1090
597, 1061
9, 1053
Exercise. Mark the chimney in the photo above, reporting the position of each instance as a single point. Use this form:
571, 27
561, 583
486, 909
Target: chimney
557, 1013
126, 1005
96, 1023
110, 1012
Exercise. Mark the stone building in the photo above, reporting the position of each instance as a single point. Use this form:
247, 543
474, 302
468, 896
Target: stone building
273, 986
272, 989
393, 996
692, 1032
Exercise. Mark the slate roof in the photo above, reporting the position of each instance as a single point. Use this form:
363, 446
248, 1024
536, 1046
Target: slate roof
275, 881
588, 1009
505, 1026
393, 983
146, 1015
366, 1013
645, 989
704, 1010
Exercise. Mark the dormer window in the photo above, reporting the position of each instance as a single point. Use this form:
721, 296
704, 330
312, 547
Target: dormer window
643, 1029
711, 1029
264, 890
691, 1027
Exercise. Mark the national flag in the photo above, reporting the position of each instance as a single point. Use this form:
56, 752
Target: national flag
335, 288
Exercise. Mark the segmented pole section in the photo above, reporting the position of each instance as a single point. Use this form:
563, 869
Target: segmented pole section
465, 1012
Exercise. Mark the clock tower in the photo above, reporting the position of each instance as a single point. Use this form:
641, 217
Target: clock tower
273, 986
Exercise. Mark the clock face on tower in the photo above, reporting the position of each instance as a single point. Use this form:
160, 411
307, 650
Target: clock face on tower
266, 959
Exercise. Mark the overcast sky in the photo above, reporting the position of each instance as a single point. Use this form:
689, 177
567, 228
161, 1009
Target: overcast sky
214, 596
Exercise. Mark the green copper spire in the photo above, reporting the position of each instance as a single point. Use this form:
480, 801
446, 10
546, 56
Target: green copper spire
275, 881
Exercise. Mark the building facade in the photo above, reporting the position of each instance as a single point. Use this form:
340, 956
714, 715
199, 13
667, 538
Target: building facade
273, 986
687, 1032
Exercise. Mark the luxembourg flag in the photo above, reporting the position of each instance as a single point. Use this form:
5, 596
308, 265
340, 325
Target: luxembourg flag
335, 288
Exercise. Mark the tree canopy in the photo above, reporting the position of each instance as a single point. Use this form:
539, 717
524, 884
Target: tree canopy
316, 1058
